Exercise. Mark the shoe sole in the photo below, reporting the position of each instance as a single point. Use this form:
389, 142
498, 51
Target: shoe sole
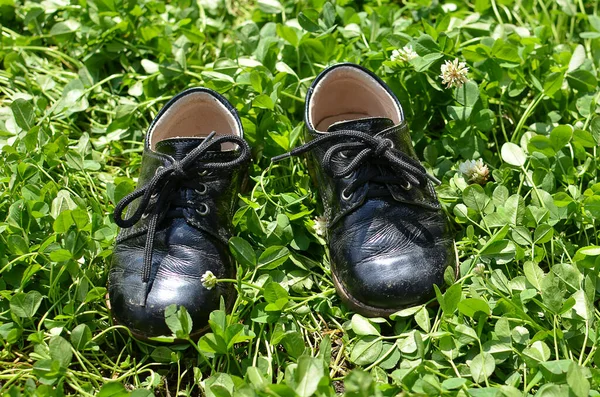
373, 311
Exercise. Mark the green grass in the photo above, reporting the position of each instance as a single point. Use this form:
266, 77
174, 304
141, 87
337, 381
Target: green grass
81, 80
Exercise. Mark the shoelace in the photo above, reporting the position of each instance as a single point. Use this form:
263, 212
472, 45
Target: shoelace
371, 149
164, 183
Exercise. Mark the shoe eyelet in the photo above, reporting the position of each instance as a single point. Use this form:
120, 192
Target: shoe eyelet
202, 189
158, 169
407, 186
343, 155
346, 196
391, 143
145, 215
203, 210
154, 195
204, 173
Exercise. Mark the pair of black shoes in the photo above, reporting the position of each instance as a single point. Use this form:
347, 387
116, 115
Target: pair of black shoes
387, 236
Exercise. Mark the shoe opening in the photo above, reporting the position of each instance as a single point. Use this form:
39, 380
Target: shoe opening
195, 115
349, 93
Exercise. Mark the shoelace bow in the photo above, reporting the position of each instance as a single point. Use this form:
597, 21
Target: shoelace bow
372, 149
164, 183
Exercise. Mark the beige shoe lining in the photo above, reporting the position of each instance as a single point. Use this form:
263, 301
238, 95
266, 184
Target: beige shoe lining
348, 93
195, 115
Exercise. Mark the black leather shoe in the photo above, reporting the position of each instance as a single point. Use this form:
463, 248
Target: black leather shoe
178, 220
387, 236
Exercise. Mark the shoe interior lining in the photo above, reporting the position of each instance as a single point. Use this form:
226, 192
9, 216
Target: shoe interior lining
196, 114
348, 93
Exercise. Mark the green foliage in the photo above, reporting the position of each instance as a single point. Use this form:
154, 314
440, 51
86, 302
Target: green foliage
79, 84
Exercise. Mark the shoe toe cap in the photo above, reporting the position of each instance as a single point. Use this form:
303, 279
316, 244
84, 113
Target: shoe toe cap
386, 284
145, 315
176, 280
386, 257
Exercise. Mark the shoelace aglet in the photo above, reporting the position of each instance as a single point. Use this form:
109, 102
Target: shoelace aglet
281, 157
434, 179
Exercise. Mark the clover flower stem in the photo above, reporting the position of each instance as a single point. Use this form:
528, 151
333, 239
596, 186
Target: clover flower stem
538, 376
18, 259
487, 227
198, 67
523, 12
456, 371
476, 224
496, 13
516, 135
200, 353
525, 374
547, 15
194, 75
585, 339
469, 42
72, 381
535, 189
438, 320
496, 140
382, 357
591, 355
581, 6
178, 377
502, 121
255, 359
50, 51
591, 115
294, 97
364, 38
234, 281
105, 80
310, 62
304, 299
262, 186
334, 367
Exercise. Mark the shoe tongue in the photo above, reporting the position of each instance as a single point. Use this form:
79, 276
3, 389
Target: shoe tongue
178, 147
369, 125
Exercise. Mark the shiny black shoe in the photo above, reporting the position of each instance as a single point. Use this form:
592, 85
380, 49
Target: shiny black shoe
387, 235
175, 233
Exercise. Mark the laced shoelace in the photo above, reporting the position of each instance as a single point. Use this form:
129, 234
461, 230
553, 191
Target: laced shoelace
163, 187
371, 150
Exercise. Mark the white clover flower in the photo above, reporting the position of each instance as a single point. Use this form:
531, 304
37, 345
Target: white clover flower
320, 226
475, 171
208, 280
405, 54
479, 269
454, 74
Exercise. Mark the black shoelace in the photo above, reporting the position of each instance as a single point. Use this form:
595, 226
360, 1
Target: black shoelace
372, 150
165, 187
